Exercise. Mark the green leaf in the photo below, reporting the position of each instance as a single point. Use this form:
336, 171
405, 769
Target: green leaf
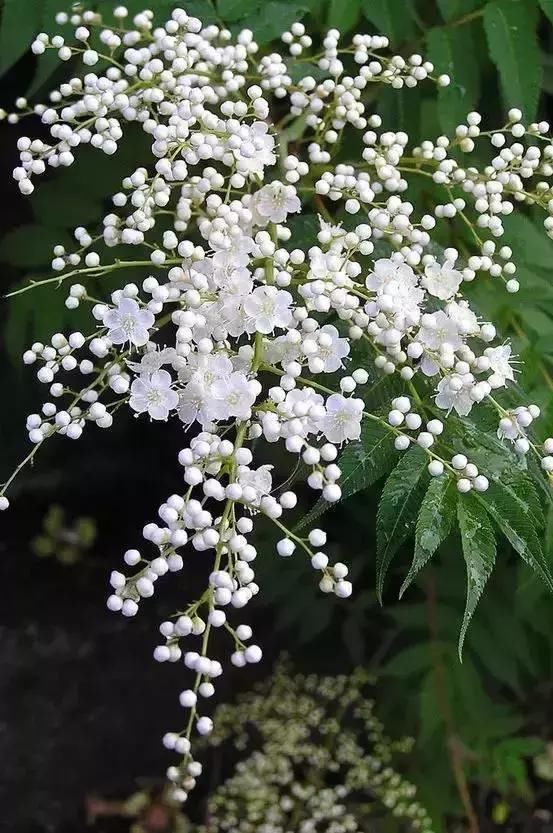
479, 548
410, 661
530, 240
448, 49
31, 246
274, 18
20, 23
304, 229
57, 203
433, 524
362, 463
36, 315
512, 512
397, 510
365, 461
391, 17
233, 10
512, 40
451, 9
547, 8
343, 15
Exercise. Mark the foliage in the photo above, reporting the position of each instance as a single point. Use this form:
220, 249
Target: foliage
66, 543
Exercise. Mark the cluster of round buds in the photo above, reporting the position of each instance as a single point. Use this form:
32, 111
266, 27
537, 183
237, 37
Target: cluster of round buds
514, 424
296, 39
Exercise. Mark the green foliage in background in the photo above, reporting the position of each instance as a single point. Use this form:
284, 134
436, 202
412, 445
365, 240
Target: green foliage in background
66, 542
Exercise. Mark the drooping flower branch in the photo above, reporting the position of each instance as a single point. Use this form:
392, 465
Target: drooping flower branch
240, 324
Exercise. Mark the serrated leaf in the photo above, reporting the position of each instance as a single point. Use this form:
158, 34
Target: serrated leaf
397, 510
343, 15
447, 49
512, 40
362, 463
511, 512
391, 17
479, 549
433, 524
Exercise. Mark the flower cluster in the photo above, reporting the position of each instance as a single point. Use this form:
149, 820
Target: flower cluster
313, 757
244, 332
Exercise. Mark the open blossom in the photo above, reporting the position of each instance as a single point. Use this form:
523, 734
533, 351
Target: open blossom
442, 280
330, 348
500, 365
192, 404
438, 329
274, 202
153, 395
232, 397
397, 292
154, 360
508, 428
260, 480
464, 318
268, 307
454, 393
342, 420
127, 322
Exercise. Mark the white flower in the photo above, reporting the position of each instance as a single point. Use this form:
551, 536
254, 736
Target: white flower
397, 292
255, 151
268, 307
454, 392
192, 404
273, 203
205, 369
333, 353
232, 252
342, 420
128, 322
509, 428
500, 358
442, 280
280, 350
232, 397
153, 394
439, 329
298, 407
154, 360
463, 316
259, 479
386, 270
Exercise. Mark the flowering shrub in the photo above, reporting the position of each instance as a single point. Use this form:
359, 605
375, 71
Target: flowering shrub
313, 756
294, 297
